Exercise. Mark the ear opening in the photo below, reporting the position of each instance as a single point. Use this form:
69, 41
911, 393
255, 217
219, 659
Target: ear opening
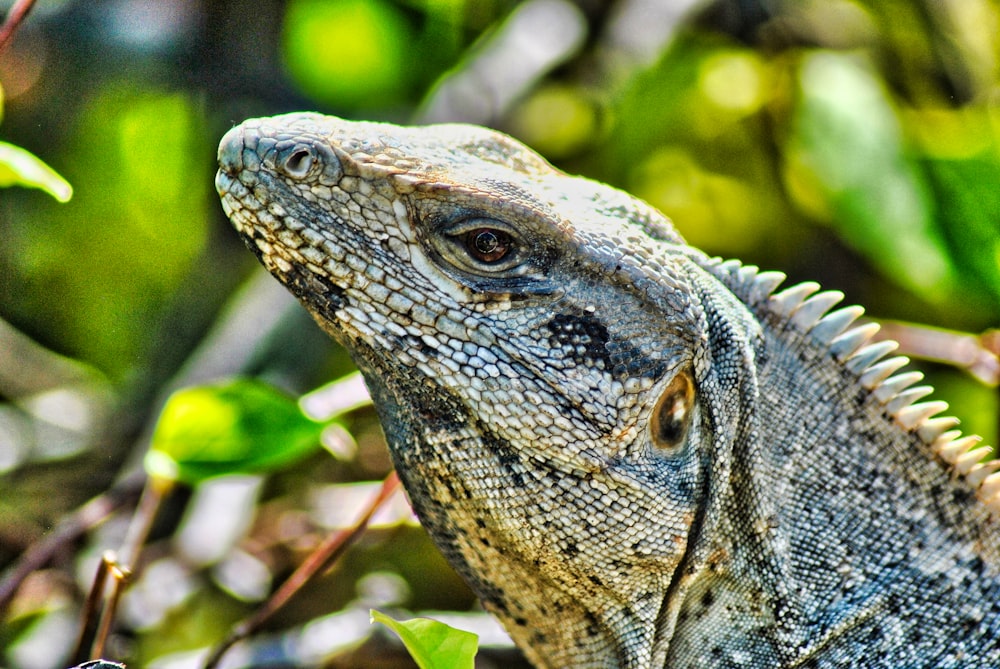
672, 414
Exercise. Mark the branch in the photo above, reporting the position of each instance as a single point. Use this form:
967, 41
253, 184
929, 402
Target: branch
977, 354
14, 19
88, 516
329, 550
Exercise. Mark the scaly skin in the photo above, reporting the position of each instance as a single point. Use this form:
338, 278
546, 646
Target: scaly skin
636, 455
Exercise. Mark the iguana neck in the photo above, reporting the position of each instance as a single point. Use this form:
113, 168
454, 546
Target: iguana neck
889, 528
598, 612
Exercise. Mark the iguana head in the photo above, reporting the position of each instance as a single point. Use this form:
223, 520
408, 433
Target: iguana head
470, 263
570, 393
533, 341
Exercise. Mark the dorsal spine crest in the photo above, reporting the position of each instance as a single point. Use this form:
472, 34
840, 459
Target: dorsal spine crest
804, 309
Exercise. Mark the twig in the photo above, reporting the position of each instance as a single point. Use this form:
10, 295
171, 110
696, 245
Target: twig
16, 15
91, 610
977, 354
142, 521
326, 552
121, 576
97, 619
87, 517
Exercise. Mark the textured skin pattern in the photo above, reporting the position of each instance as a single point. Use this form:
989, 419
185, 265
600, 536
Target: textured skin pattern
638, 456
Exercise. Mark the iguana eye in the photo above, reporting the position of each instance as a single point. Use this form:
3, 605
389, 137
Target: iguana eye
489, 255
488, 245
671, 417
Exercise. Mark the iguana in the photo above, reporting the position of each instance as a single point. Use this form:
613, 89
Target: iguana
637, 455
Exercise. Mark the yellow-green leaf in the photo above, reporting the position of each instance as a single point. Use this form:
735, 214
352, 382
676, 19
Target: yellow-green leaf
242, 426
432, 644
22, 168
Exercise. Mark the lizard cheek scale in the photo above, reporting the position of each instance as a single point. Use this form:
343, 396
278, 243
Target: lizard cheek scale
635, 454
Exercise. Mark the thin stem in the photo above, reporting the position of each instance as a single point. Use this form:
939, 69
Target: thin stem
88, 516
16, 15
91, 609
121, 577
977, 354
142, 521
328, 551
120, 568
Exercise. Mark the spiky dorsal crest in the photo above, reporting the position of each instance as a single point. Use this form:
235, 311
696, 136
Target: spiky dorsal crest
808, 310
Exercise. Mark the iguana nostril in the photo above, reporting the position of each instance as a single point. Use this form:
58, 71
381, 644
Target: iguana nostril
298, 162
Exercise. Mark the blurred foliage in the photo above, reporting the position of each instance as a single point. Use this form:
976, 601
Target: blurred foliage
852, 142
239, 426
104, 266
347, 52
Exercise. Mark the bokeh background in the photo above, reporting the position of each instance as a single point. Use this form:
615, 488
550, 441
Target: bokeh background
852, 142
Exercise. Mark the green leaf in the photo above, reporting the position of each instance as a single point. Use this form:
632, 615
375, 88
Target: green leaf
432, 644
242, 426
21, 168
848, 164
317, 34
969, 212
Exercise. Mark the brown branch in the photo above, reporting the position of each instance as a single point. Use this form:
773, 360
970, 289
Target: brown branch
91, 610
121, 576
88, 516
977, 354
14, 19
325, 553
99, 611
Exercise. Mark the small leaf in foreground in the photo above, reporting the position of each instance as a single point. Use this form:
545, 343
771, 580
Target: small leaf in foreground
242, 426
432, 644
21, 168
